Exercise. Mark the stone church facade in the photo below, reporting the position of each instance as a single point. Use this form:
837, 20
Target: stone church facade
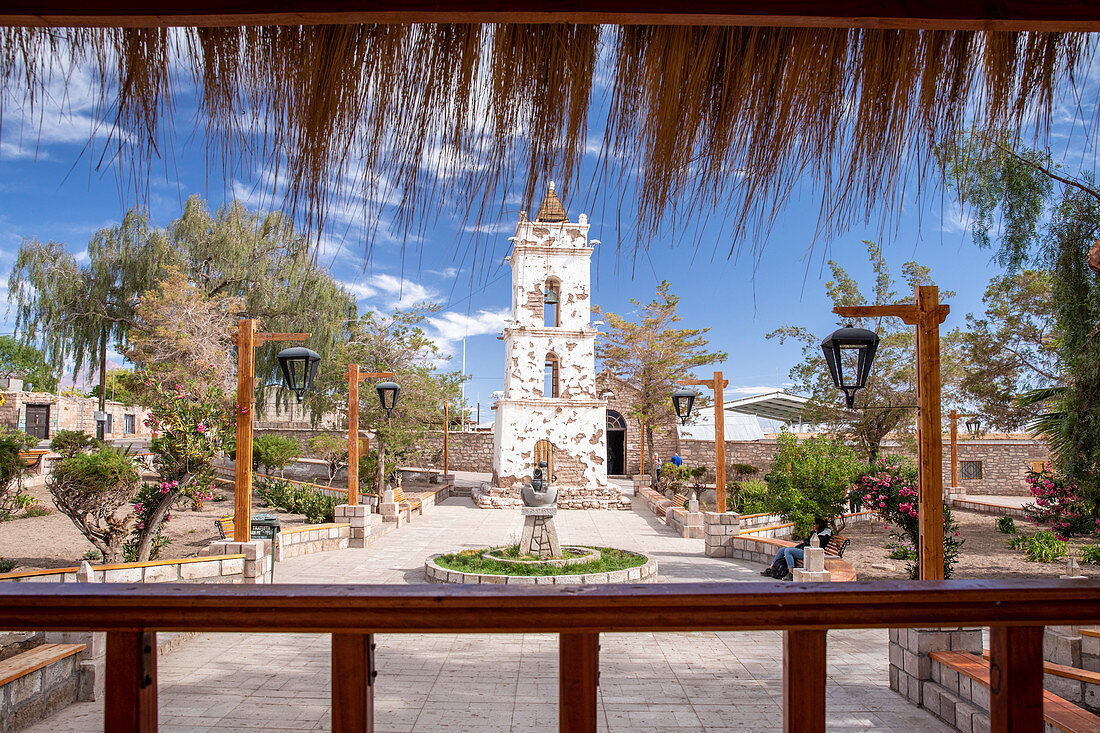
551, 409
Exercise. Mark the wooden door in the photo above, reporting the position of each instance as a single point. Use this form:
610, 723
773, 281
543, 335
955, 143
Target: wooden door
38, 421
544, 451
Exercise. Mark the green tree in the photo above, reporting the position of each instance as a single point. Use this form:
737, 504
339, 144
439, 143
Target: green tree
810, 479
886, 404
653, 355
122, 386
274, 451
393, 342
332, 450
28, 362
1012, 349
1049, 217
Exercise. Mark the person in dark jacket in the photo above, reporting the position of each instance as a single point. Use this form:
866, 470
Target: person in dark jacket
786, 558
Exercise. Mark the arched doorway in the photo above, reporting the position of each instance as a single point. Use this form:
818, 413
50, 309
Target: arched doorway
616, 444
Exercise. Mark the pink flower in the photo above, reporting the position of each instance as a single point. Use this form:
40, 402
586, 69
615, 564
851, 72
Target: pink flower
201, 427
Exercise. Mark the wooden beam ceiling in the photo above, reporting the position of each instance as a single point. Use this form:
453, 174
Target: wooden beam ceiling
1009, 15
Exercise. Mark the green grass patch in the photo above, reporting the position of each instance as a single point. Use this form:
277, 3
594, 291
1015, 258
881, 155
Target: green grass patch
471, 561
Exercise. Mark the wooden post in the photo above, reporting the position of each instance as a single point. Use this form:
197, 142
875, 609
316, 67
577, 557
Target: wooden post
353, 435
242, 493
446, 431
1015, 678
352, 683
720, 441
954, 417
641, 430
926, 314
804, 681
578, 677
130, 694
931, 432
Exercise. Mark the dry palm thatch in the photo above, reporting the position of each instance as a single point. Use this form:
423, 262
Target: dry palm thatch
703, 117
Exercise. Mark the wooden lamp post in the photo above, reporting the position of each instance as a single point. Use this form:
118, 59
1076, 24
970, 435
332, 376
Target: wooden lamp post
718, 384
926, 314
247, 340
446, 431
354, 378
954, 416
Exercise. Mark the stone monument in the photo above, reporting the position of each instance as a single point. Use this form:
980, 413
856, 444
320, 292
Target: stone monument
813, 564
540, 536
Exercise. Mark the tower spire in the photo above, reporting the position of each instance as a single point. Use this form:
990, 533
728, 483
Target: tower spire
551, 209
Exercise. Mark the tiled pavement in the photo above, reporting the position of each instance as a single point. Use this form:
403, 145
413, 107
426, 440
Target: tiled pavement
653, 682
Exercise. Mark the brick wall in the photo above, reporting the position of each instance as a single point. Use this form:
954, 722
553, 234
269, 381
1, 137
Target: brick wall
73, 413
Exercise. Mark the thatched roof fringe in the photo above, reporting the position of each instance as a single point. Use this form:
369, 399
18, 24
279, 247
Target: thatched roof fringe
726, 117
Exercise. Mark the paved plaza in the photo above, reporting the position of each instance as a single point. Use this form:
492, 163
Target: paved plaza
653, 682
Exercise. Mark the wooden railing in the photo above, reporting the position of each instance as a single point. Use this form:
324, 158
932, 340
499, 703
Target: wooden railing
1015, 611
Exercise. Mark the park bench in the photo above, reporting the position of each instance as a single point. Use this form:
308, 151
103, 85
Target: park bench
678, 500
399, 498
1059, 713
836, 547
33, 458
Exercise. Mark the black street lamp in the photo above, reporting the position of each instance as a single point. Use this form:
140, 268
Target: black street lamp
864, 343
683, 399
299, 366
973, 425
387, 395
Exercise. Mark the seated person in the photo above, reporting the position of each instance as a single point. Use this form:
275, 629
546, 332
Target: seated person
787, 556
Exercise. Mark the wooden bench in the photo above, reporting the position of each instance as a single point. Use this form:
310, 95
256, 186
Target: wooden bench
399, 498
678, 500
33, 458
1061, 714
225, 526
35, 659
836, 547
1065, 671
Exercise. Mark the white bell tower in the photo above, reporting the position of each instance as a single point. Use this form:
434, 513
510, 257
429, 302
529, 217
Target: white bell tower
550, 410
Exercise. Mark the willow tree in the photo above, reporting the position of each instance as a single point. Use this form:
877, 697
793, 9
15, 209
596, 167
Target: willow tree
653, 355
77, 312
1032, 210
392, 342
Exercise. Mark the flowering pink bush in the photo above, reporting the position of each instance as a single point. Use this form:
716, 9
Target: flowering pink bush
1058, 504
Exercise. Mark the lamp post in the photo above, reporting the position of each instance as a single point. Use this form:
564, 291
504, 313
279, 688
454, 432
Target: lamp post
247, 339
446, 430
354, 378
926, 314
684, 400
387, 396
848, 340
972, 426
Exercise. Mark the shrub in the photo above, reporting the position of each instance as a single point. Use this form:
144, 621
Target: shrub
315, 506
274, 451
1058, 504
901, 548
1006, 525
741, 470
1044, 546
1091, 554
12, 468
92, 555
36, 509
332, 450
6, 565
673, 479
889, 487
25, 441
810, 479
70, 442
749, 496
90, 488
368, 473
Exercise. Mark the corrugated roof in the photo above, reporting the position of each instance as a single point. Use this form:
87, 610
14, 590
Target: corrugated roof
738, 427
777, 405
551, 209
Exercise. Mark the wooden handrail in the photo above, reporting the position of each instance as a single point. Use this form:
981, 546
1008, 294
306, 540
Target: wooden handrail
550, 608
1015, 610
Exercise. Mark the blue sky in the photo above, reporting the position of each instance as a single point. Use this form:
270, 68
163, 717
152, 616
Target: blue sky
51, 188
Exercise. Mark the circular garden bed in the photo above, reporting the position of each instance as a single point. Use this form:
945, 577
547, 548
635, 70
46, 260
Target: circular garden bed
504, 565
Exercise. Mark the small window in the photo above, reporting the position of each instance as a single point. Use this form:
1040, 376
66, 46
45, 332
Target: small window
108, 424
970, 469
128, 424
550, 377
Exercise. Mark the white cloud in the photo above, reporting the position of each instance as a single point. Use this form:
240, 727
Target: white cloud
448, 329
501, 228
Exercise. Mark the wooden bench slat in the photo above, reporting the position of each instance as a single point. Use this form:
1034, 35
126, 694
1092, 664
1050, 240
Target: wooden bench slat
1095, 633
29, 661
1057, 711
1064, 670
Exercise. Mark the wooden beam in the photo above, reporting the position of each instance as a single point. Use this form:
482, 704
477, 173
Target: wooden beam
446, 435
907, 313
953, 416
130, 691
1015, 679
720, 441
578, 677
363, 608
988, 15
262, 338
804, 681
353, 436
930, 432
242, 464
352, 683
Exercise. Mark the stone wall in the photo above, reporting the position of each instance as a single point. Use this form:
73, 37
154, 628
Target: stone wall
73, 413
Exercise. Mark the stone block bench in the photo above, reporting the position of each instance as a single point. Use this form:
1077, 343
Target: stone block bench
958, 693
36, 683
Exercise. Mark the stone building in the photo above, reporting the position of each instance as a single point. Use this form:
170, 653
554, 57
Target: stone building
42, 414
550, 410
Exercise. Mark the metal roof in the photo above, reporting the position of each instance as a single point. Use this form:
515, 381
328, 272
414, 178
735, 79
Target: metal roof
777, 405
738, 427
